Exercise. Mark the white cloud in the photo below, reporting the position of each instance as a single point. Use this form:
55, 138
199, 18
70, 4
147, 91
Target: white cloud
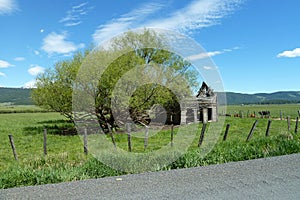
36, 52
203, 55
57, 43
19, 58
73, 16
2, 74
290, 54
196, 15
35, 70
125, 22
5, 64
7, 6
208, 67
30, 84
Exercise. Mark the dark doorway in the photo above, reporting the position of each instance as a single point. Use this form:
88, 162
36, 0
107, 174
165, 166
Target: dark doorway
209, 114
201, 115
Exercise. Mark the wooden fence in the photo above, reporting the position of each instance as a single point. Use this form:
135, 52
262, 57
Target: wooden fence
129, 139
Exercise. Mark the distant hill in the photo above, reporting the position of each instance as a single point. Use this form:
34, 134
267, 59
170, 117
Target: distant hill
15, 96
21, 96
263, 98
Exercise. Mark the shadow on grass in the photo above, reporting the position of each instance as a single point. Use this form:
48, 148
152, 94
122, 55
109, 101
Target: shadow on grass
58, 121
55, 127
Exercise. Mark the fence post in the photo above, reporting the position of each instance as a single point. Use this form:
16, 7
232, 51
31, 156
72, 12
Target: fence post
129, 136
289, 123
146, 137
85, 142
202, 135
226, 132
252, 130
111, 135
172, 130
268, 128
45, 142
11, 139
297, 123
172, 135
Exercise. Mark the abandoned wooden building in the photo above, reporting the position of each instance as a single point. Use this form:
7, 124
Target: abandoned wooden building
202, 108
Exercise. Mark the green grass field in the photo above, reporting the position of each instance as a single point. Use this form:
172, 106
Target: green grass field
67, 162
286, 109
27, 131
7, 108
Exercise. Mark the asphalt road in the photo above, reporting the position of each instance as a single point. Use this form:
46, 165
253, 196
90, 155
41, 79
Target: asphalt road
270, 178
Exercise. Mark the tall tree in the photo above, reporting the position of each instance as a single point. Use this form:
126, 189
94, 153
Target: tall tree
125, 80
54, 87
138, 74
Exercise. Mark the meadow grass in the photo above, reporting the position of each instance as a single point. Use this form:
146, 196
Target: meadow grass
286, 109
7, 108
27, 131
66, 161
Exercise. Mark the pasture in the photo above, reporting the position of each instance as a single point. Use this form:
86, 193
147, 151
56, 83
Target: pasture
275, 109
7, 108
66, 161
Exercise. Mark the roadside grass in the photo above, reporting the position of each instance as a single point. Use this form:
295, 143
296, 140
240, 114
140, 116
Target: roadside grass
66, 161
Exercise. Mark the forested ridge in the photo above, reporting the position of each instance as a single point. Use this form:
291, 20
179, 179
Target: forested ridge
22, 96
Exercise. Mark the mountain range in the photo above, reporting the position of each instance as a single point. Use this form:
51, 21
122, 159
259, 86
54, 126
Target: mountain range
21, 96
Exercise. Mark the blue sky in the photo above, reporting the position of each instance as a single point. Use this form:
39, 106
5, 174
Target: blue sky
254, 43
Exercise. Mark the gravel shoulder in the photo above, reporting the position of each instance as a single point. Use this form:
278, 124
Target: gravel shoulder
268, 178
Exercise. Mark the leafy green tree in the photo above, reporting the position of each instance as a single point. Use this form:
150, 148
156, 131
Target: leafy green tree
136, 57
132, 75
54, 87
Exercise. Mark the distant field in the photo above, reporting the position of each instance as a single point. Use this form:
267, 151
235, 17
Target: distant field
286, 109
7, 108
66, 161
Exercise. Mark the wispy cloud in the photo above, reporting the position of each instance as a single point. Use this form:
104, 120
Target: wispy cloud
290, 54
36, 52
196, 15
74, 16
208, 67
5, 64
19, 58
2, 74
126, 21
35, 70
203, 55
57, 44
8, 6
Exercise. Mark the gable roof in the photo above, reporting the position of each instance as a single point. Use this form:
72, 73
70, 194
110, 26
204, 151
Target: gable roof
205, 91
